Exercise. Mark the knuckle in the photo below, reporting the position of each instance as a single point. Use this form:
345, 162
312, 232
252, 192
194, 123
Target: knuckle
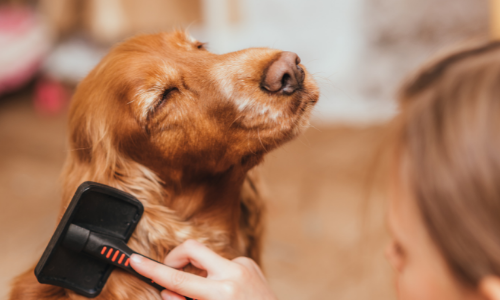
229, 289
190, 244
240, 273
244, 261
177, 280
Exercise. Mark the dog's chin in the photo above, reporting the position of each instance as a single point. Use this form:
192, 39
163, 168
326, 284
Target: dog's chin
296, 125
274, 133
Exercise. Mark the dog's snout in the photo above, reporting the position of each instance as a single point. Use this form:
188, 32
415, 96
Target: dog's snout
284, 74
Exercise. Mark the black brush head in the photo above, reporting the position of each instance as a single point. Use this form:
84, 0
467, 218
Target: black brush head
98, 208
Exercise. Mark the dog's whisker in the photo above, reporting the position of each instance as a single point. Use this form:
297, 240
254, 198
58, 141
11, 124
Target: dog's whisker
249, 144
235, 120
275, 143
315, 128
260, 140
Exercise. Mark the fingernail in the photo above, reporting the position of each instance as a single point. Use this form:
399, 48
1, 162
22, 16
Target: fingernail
136, 258
165, 295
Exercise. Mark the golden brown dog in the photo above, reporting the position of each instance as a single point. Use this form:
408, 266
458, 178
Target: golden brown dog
180, 128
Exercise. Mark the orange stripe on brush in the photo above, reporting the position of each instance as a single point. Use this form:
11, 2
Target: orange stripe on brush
103, 250
121, 258
126, 263
116, 254
109, 253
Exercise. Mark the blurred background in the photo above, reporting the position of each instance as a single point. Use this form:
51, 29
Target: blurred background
326, 233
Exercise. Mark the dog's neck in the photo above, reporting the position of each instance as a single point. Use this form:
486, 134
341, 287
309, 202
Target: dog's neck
202, 190
205, 198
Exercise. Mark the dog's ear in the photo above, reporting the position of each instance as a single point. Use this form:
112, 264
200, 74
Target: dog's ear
93, 124
90, 153
99, 112
82, 134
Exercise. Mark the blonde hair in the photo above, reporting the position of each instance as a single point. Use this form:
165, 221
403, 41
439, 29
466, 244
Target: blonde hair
449, 130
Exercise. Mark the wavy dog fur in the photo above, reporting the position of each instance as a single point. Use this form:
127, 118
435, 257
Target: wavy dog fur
179, 128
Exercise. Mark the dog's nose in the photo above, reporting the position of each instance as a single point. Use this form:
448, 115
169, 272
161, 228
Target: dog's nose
284, 74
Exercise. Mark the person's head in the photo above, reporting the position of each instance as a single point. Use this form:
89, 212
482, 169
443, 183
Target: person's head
445, 200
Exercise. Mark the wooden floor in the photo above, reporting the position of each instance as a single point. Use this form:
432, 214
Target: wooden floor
325, 235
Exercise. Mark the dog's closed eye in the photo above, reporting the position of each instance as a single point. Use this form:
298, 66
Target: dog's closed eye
200, 45
167, 94
162, 101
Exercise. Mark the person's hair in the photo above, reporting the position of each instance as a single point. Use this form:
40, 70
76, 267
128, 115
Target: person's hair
449, 132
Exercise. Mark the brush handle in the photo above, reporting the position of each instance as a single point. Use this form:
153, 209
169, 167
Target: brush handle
109, 249
115, 252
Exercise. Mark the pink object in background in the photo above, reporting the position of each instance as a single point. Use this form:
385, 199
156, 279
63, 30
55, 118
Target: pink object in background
50, 96
24, 42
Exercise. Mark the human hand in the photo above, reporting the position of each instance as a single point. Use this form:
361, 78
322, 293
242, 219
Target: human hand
237, 279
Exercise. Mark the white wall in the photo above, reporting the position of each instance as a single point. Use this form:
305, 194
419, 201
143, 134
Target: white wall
326, 34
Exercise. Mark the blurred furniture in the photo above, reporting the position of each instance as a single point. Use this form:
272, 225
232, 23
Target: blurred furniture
110, 21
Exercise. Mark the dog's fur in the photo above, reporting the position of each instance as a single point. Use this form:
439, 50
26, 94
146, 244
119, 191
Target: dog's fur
179, 128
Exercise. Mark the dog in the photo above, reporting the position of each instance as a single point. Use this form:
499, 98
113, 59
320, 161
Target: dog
181, 129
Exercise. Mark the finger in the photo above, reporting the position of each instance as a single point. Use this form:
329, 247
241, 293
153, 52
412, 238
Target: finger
168, 295
176, 281
199, 255
250, 265
489, 286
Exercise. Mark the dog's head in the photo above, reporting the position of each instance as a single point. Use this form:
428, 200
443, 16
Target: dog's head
164, 99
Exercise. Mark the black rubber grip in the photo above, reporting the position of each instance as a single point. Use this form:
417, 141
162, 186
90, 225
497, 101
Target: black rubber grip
106, 248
